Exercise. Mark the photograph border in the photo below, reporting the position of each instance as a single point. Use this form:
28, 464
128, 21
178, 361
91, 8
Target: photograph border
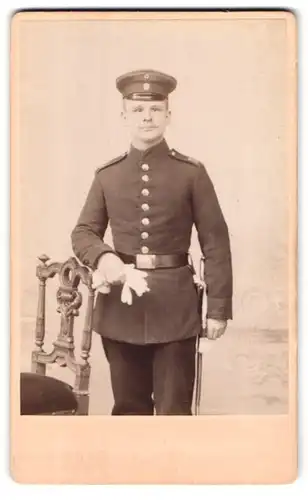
145, 450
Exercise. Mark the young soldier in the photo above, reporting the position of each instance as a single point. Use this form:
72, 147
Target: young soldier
152, 195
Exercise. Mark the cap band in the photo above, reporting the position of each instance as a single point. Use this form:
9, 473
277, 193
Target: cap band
135, 96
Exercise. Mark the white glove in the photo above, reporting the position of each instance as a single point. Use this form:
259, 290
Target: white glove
134, 279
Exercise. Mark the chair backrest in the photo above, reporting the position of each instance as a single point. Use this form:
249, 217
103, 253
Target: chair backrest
69, 300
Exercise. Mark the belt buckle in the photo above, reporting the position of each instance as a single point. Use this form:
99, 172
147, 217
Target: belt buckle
145, 261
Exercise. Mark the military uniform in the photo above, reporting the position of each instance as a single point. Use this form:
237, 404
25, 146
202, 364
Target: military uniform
151, 199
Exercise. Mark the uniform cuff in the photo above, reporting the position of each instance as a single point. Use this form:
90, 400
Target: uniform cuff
219, 308
95, 253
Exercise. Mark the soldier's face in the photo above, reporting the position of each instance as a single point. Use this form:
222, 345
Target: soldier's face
146, 120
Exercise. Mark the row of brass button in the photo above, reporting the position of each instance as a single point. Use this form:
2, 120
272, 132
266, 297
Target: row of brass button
145, 207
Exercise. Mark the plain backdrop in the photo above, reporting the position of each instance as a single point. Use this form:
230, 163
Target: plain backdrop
229, 111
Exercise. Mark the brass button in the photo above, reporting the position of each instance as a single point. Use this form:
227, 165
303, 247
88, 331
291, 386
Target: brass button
145, 167
144, 250
145, 178
145, 192
145, 207
144, 235
145, 221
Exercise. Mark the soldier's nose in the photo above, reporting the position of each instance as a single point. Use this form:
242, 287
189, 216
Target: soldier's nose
147, 116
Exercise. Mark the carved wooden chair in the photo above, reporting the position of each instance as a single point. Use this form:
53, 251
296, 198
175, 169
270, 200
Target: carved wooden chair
39, 393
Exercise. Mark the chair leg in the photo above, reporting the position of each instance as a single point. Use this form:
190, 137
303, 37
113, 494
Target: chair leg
83, 404
81, 389
36, 367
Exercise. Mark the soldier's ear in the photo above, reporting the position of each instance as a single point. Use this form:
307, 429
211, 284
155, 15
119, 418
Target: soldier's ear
123, 112
123, 117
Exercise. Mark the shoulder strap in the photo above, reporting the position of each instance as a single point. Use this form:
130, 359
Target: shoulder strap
187, 159
114, 161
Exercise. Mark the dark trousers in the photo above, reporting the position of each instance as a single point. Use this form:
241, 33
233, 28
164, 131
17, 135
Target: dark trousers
159, 376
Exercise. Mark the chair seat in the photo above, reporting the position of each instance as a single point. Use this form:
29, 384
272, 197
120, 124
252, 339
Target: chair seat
40, 394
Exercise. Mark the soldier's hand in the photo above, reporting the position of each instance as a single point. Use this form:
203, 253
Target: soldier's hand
110, 269
215, 328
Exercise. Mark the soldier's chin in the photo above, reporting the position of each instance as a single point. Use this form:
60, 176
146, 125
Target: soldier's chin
150, 135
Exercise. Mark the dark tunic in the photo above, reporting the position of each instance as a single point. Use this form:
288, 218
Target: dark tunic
152, 199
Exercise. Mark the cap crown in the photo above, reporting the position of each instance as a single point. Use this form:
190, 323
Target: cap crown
146, 84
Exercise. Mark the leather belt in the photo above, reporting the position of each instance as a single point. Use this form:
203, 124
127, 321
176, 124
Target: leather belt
151, 261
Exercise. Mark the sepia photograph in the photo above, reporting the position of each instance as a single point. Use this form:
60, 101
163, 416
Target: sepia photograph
154, 229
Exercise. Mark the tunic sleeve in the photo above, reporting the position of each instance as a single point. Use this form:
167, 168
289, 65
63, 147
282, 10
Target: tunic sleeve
88, 235
214, 240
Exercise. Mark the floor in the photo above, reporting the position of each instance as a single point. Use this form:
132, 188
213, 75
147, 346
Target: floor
244, 372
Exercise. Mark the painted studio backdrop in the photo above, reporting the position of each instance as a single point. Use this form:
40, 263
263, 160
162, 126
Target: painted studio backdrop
228, 111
